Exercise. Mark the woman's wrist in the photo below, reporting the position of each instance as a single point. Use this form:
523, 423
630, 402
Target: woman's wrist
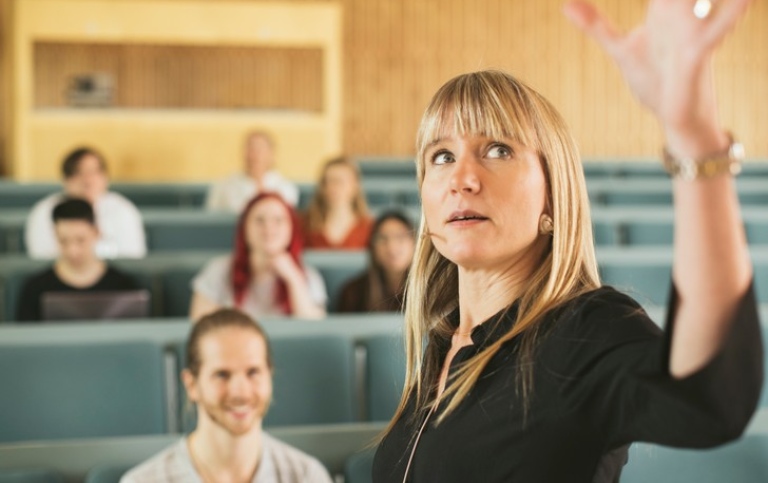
696, 141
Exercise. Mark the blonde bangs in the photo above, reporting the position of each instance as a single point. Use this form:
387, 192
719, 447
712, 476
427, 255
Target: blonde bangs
481, 104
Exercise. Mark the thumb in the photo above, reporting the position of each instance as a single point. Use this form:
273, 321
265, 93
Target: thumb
586, 17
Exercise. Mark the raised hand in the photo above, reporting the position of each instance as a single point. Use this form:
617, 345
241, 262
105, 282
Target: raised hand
666, 60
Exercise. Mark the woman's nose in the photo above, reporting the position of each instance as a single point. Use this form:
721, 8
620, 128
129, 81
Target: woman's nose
465, 176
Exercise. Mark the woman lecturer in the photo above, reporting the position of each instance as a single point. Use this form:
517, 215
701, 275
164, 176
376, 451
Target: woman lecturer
521, 366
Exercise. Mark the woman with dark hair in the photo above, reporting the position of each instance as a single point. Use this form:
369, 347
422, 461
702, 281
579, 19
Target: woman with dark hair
521, 366
264, 276
390, 251
337, 217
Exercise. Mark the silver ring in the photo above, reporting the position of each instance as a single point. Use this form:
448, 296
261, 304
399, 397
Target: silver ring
702, 9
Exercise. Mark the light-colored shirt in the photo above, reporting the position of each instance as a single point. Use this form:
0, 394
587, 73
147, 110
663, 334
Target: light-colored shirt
118, 220
280, 463
231, 194
215, 283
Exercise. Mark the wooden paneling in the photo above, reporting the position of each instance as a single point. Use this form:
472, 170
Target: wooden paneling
398, 52
179, 77
5, 93
193, 77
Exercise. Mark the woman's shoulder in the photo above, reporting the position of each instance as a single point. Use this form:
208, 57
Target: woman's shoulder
604, 313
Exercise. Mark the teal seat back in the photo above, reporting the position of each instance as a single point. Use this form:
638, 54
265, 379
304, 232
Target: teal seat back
312, 379
176, 290
647, 283
335, 276
648, 233
359, 467
171, 237
385, 376
30, 476
107, 473
745, 461
81, 390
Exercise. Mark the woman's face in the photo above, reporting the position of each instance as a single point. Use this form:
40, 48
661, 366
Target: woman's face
483, 199
340, 185
393, 246
268, 227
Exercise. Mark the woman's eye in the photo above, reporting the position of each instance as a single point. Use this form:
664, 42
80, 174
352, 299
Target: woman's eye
499, 151
442, 157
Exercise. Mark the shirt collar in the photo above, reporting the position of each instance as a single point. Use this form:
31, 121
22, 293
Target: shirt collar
492, 329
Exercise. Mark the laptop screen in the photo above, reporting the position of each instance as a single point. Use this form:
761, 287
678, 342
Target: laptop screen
122, 304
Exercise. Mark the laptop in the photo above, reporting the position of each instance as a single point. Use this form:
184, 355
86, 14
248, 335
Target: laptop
121, 304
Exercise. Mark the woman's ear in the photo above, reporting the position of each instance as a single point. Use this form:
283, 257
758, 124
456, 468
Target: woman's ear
546, 225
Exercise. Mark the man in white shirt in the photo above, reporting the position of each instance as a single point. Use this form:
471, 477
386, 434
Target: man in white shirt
228, 375
118, 220
231, 194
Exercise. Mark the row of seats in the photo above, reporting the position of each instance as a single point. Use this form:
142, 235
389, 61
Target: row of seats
741, 462
168, 277
390, 189
643, 272
85, 380
593, 168
104, 460
174, 230
111, 381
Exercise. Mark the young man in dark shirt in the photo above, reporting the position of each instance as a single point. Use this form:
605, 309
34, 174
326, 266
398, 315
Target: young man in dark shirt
77, 269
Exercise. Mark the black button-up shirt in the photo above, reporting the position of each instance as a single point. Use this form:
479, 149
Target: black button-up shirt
600, 382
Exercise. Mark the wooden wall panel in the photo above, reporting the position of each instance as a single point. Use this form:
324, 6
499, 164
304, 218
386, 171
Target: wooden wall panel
398, 52
5, 93
173, 77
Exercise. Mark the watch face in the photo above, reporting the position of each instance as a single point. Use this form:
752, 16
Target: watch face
736, 151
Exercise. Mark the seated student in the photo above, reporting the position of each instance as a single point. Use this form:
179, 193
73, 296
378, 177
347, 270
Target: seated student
380, 288
228, 375
77, 268
232, 194
337, 216
264, 276
119, 221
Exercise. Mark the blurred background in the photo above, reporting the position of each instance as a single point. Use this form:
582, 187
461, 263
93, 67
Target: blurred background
167, 89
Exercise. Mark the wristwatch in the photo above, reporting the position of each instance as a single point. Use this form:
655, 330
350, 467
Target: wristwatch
689, 169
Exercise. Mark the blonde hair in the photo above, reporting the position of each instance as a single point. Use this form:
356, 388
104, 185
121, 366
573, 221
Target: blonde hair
496, 105
317, 211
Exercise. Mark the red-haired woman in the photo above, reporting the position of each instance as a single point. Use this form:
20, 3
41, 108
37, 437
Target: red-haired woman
264, 276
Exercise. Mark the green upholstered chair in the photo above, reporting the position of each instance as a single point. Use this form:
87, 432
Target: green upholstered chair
61, 391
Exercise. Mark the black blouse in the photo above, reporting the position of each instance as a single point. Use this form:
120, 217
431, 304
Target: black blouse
600, 382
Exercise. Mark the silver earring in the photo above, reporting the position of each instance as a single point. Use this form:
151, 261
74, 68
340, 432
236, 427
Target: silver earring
546, 225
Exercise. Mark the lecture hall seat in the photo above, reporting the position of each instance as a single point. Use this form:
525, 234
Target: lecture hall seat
385, 375
73, 390
745, 461
32, 475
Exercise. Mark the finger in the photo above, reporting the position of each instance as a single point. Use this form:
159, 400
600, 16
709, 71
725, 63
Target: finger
724, 18
586, 17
